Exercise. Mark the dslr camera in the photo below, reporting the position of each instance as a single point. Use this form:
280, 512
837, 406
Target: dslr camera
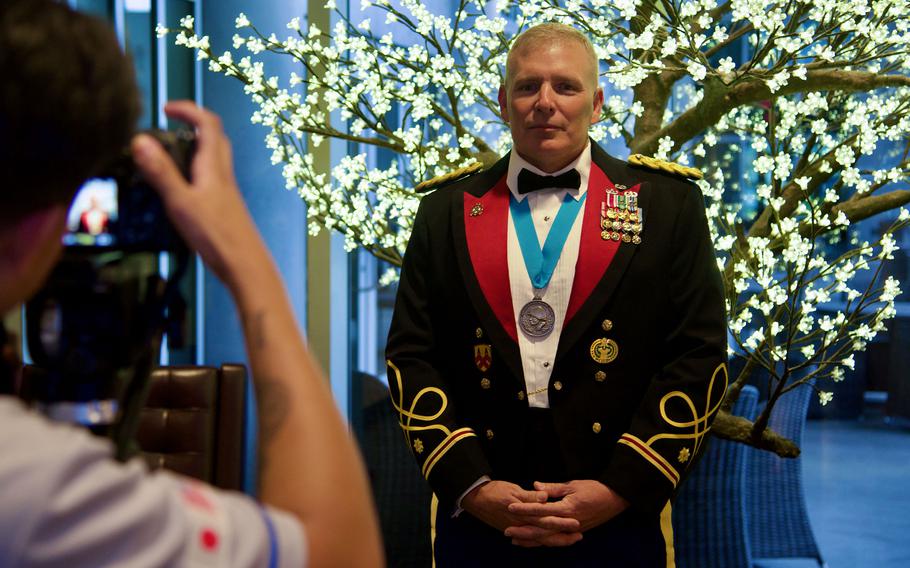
117, 210
94, 330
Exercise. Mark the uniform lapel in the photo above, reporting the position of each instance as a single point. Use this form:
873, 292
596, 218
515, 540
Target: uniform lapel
601, 263
480, 218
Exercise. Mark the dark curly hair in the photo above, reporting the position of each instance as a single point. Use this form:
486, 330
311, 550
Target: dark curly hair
68, 103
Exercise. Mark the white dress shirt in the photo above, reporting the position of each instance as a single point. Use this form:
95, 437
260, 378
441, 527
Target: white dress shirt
537, 353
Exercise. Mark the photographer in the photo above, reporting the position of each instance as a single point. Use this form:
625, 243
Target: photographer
67, 106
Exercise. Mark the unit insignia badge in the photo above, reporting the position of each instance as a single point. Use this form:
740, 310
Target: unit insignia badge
483, 356
604, 350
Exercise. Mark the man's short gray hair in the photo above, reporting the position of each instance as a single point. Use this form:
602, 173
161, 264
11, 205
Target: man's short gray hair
550, 33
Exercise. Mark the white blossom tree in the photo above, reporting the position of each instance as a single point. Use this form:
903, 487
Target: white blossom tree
810, 97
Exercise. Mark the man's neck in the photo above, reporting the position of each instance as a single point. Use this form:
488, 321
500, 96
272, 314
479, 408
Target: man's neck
549, 167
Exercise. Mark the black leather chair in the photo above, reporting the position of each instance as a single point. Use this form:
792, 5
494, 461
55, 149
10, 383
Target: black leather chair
193, 422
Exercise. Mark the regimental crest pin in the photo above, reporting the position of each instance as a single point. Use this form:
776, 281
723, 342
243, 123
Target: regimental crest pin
604, 350
483, 356
477, 210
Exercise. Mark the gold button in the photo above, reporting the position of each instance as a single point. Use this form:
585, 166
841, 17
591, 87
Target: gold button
607, 325
557, 385
479, 333
484, 383
600, 376
595, 427
521, 395
489, 434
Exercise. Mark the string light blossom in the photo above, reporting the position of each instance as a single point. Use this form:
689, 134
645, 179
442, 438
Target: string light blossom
797, 113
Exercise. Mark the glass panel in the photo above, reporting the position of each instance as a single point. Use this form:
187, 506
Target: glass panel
139, 39
179, 63
101, 8
177, 70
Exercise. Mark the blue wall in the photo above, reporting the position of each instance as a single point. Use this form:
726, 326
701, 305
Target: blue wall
279, 214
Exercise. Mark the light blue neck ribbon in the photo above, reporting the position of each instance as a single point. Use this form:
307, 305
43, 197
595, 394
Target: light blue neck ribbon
541, 263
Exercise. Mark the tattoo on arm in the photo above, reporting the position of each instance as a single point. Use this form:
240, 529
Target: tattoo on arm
272, 406
257, 330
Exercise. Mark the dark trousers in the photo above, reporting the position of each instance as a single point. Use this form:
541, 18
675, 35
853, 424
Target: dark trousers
627, 541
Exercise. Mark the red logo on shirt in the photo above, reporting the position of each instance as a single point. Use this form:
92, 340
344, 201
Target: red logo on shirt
194, 495
209, 539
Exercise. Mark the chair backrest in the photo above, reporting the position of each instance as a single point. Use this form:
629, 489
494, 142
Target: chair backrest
778, 519
401, 493
193, 422
709, 514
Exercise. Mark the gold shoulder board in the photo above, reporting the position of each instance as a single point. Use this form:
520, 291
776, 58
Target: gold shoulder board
665, 166
456, 175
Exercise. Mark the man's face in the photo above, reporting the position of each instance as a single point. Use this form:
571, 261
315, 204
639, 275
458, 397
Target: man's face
549, 101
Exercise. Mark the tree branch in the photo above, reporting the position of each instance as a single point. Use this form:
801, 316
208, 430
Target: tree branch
738, 429
866, 207
653, 94
720, 99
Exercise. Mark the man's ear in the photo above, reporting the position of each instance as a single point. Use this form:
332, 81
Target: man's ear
503, 104
29, 248
598, 105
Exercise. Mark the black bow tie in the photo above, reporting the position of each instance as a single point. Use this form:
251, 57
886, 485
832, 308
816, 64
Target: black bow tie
528, 181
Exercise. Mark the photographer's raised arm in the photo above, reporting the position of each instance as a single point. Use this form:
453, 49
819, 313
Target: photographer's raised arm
308, 463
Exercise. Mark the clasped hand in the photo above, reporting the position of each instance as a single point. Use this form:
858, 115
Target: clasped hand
554, 514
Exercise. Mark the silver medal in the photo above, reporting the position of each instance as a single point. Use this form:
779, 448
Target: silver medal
537, 318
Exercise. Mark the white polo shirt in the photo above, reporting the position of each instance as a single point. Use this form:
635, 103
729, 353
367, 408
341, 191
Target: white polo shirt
66, 502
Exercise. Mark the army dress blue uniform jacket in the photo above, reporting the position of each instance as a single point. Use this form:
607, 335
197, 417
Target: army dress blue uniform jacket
635, 423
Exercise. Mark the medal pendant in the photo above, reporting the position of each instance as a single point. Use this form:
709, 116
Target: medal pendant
537, 318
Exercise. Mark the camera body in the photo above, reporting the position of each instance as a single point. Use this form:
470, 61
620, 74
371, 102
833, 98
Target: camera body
118, 210
95, 328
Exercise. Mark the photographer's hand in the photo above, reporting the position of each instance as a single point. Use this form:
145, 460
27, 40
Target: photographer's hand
308, 463
209, 211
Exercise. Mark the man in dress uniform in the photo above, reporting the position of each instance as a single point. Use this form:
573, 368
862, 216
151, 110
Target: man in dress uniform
558, 346
68, 104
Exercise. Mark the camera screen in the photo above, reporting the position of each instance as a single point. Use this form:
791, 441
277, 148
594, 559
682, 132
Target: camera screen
93, 214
